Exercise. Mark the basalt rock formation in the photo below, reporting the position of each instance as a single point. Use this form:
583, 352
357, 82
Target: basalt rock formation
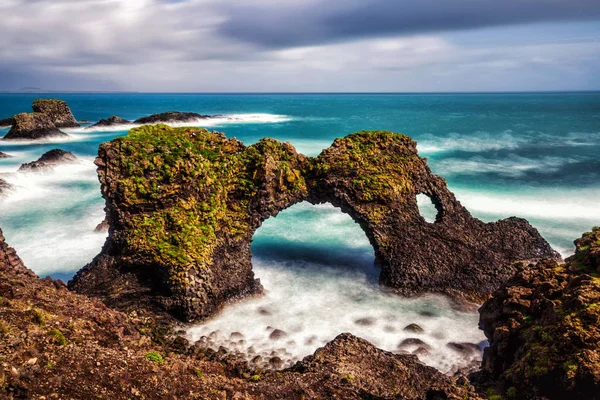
57, 344
170, 117
111, 121
183, 204
59, 112
544, 329
49, 160
33, 127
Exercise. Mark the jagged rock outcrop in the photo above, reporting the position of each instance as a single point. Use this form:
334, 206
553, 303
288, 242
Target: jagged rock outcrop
170, 117
57, 110
49, 160
6, 122
111, 121
56, 341
183, 204
33, 126
544, 329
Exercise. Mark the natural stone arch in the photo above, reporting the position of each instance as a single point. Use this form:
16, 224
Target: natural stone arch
183, 205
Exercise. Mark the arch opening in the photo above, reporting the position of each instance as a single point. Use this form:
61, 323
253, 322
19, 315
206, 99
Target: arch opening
318, 269
427, 208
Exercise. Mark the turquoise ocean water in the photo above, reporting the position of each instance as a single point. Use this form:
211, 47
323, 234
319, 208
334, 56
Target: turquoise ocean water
531, 155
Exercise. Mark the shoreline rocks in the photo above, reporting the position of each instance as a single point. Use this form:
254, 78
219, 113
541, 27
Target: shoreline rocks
49, 160
544, 329
6, 122
57, 110
4, 155
33, 126
5, 187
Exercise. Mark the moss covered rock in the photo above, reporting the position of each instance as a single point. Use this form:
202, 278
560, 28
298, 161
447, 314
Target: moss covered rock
544, 329
57, 110
183, 204
33, 126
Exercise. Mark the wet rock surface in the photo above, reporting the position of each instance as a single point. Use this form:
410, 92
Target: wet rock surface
5, 187
49, 160
111, 121
4, 155
57, 110
544, 329
6, 122
201, 197
33, 126
170, 117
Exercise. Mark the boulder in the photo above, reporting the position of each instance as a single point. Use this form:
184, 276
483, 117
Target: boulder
171, 117
544, 329
184, 203
58, 111
111, 121
33, 126
49, 160
4, 155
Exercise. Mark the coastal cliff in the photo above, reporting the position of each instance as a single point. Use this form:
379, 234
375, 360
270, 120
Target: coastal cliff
183, 203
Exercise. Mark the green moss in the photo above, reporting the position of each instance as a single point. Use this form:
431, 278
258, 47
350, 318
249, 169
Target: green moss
38, 317
348, 378
58, 337
255, 378
155, 357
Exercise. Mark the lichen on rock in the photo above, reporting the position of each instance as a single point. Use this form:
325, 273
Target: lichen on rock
33, 126
57, 110
183, 204
544, 328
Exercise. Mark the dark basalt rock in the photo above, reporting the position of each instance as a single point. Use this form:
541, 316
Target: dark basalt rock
33, 127
170, 117
4, 155
6, 122
49, 160
111, 121
544, 329
5, 187
184, 203
59, 112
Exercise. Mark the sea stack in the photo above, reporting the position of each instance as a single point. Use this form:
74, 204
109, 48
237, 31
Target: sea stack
33, 126
49, 160
59, 112
111, 121
170, 117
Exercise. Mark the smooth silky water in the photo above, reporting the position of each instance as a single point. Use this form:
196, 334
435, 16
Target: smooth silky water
529, 155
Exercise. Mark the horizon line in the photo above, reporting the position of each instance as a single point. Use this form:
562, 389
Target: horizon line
293, 93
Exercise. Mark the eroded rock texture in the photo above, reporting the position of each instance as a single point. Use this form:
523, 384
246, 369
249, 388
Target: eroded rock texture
171, 117
111, 121
184, 203
57, 110
544, 329
32, 127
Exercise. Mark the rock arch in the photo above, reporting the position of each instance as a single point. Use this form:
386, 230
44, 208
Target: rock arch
183, 204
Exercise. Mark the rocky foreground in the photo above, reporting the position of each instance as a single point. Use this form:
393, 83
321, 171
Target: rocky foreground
184, 203
58, 344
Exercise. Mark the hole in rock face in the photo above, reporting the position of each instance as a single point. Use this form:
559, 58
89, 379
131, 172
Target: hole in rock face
317, 267
426, 208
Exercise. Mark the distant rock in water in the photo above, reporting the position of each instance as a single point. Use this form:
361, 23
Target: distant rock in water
6, 122
171, 116
102, 226
111, 121
49, 160
34, 126
4, 155
58, 111
4, 187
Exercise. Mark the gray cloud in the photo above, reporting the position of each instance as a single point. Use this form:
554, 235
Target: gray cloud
316, 22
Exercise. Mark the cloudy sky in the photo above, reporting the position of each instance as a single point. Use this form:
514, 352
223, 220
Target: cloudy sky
300, 45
